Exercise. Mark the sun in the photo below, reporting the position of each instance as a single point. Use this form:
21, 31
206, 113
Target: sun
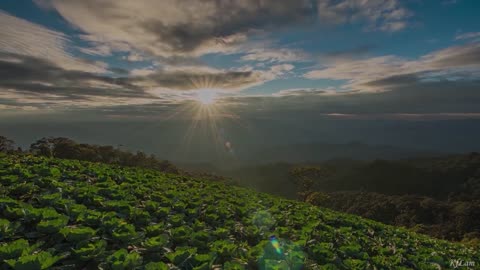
206, 97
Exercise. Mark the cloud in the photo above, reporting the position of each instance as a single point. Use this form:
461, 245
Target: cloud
383, 15
203, 77
171, 27
278, 71
18, 36
469, 35
406, 116
379, 73
453, 57
304, 92
394, 81
134, 57
358, 72
411, 99
275, 55
119, 71
34, 76
99, 50
197, 27
33, 81
184, 80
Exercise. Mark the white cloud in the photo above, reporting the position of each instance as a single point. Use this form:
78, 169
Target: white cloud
306, 92
22, 37
359, 73
100, 50
134, 57
278, 71
142, 71
274, 55
469, 35
170, 27
200, 77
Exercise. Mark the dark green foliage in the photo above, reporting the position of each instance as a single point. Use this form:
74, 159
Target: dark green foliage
80, 215
69, 149
121, 260
77, 234
454, 220
6, 145
439, 196
87, 250
38, 261
306, 177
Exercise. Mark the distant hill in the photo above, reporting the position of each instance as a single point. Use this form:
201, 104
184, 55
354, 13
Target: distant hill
438, 176
319, 152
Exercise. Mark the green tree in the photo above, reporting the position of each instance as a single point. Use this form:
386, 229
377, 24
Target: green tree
42, 147
63, 147
54, 147
6, 145
306, 177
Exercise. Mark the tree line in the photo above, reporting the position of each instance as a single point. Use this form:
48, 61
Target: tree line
452, 217
65, 148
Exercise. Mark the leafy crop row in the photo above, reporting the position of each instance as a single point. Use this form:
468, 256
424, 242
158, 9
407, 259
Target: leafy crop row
65, 214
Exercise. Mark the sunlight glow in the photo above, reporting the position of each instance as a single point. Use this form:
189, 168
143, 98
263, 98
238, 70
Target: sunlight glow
207, 111
206, 97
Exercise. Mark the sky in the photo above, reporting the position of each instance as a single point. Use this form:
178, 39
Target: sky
283, 63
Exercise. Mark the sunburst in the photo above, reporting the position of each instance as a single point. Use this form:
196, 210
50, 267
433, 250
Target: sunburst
207, 110
206, 97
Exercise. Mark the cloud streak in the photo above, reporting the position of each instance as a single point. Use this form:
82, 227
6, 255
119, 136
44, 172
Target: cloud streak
31, 80
280, 55
22, 37
469, 35
381, 72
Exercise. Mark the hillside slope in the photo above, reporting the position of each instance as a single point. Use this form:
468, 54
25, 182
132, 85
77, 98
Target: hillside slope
67, 214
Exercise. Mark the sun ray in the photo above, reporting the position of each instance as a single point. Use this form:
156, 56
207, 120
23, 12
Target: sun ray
206, 97
207, 111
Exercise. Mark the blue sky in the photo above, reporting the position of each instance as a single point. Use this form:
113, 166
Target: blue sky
110, 54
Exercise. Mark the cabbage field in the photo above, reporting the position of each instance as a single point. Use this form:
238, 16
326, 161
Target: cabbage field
65, 214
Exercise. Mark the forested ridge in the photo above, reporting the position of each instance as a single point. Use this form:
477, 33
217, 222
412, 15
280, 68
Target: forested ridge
437, 196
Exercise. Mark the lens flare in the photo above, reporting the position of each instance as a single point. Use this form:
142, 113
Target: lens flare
276, 244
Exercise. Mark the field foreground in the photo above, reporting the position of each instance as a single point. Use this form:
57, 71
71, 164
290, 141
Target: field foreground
65, 214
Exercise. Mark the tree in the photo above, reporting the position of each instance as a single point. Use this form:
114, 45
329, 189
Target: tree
63, 147
55, 147
66, 148
42, 147
6, 145
307, 176
107, 154
317, 198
